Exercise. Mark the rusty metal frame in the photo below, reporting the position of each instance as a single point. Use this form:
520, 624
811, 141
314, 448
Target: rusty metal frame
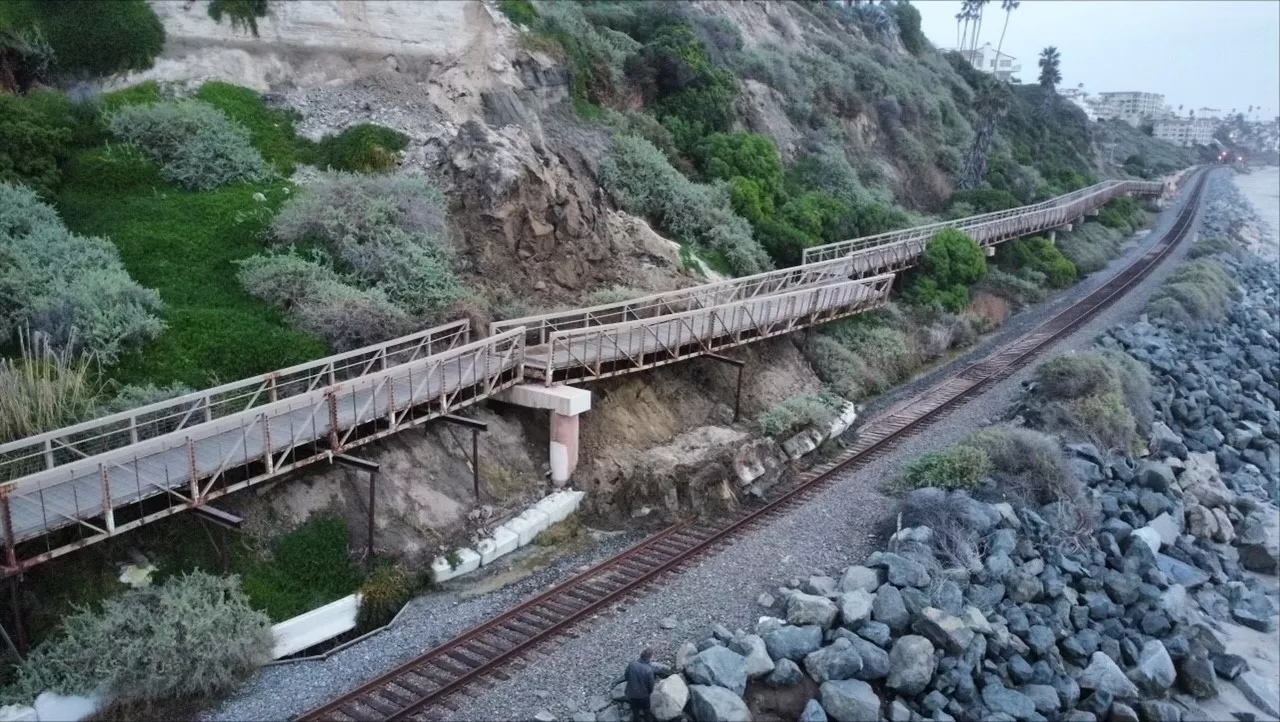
206, 461
999, 225
604, 351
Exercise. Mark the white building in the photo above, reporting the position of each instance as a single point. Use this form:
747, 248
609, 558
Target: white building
1130, 106
1185, 131
985, 58
1080, 99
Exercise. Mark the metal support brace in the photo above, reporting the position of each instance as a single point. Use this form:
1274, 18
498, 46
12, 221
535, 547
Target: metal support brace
737, 394
373, 468
476, 427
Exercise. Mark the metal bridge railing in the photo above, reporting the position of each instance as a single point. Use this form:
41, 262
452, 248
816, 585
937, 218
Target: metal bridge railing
541, 327
603, 351
63, 446
1080, 200
194, 465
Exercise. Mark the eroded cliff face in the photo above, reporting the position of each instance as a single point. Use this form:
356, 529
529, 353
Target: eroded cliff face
489, 123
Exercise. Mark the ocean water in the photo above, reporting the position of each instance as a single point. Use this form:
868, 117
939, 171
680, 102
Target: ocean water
1262, 188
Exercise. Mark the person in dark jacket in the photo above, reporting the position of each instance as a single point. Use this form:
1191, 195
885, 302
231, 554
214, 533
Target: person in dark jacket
640, 686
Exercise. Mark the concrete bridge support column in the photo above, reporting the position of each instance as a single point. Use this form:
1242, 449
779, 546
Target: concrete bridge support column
1053, 236
565, 404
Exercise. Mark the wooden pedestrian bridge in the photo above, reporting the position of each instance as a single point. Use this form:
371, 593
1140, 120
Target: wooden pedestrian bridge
65, 489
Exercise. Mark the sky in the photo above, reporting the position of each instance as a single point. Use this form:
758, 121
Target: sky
1198, 53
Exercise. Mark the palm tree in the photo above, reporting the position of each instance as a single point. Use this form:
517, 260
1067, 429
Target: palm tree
966, 14
977, 6
1008, 6
1179, 111
992, 103
1050, 74
959, 17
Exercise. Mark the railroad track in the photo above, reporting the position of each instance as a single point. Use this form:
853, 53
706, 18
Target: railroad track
429, 682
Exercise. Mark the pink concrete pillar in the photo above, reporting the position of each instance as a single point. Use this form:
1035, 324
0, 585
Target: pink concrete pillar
564, 447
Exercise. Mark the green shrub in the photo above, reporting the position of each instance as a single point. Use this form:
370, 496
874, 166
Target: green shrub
91, 38
133, 396
1027, 463
1123, 214
271, 130
243, 14
309, 567
382, 596
843, 370
31, 151
646, 184
1038, 254
1198, 292
800, 411
1212, 247
1076, 376
1022, 287
883, 348
908, 19
1096, 397
364, 148
387, 235
196, 145
959, 467
71, 288
117, 167
322, 302
605, 296
191, 637
678, 81
520, 12
952, 262
1090, 247
44, 389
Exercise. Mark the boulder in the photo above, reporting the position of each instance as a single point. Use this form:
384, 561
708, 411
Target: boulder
717, 704
839, 660
860, 577
669, 697
875, 661
1103, 674
720, 667
1000, 700
1149, 536
1259, 543
806, 609
1196, 675
791, 642
1164, 441
785, 673
944, 630
889, 608
1043, 696
1154, 672
684, 654
1202, 523
1226, 532
813, 712
849, 700
1262, 692
875, 632
822, 586
911, 665
1166, 527
1200, 481
752, 647
855, 608
901, 571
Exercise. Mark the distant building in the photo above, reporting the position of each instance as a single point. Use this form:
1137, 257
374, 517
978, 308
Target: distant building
1080, 99
985, 58
1131, 106
1185, 132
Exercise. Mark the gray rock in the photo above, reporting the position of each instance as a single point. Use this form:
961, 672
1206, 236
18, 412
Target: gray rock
806, 609
722, 633
1121, 712
1196, 676
948, 597
899, 711
1154, 672
875, 632
1259, 541
1263, 693
597, 702
1156, 710
875, 661
1121, 587
1166, 527
849, 700
820, 585
902, 571
667, 623
583, 716
944, 630
785, 673
669, 697
1023, 587
1103, 674
1041, 640
889, 608
684, 654
855, 608
839, 660
1165, 442
753, 648
1229, 666
790, 642
1000, 699
619, 692
720, 667
766, 600
1180, 572
911, 665
717, 704
860, 577
544, 716
1043, 696
1149, 536
1155, 475
813, 712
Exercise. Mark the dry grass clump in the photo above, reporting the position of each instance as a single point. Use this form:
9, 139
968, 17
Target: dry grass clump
44, 388
1197, 293
1101, 398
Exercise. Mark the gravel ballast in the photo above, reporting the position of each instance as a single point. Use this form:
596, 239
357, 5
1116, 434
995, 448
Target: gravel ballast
836, 526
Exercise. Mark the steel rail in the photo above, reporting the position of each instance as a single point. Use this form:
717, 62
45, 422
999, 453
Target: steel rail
448, 669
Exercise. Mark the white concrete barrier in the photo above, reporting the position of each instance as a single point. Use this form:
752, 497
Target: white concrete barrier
503, 541
468, 561
528, 524
558, 506
316, 626
847, 416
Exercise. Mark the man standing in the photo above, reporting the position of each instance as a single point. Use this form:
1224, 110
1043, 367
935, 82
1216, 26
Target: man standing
640, 686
